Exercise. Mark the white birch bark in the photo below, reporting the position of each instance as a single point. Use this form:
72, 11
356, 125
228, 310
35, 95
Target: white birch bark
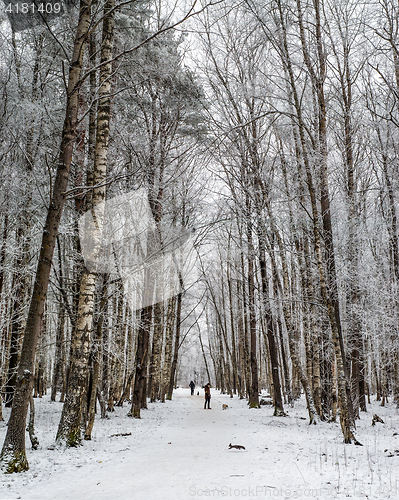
69, 431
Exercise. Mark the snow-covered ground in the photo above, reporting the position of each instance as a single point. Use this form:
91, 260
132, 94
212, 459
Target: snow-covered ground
180, 451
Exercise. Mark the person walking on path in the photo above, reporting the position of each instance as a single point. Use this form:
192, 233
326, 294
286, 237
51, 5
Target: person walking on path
207, 396
192, 387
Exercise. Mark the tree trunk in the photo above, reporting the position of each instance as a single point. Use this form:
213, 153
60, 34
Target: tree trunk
142, 347
16, 325
177, 342
155, 365
328, 290
139, 390
31, 425
69, 432
232, 329
271, 334
296, 363
13, 455
119, 342
167, 365
97, 353
254, 388
59, 341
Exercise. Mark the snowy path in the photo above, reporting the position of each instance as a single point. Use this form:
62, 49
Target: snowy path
179, 451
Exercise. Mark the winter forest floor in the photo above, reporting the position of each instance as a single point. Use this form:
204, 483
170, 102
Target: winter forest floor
180, 451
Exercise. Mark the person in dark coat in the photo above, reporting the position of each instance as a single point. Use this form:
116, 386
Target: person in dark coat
192, 387
207, 396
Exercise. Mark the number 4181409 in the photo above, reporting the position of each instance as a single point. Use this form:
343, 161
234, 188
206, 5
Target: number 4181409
25, 8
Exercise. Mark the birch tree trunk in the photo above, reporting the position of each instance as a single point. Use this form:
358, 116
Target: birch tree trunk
69, 429
97, 353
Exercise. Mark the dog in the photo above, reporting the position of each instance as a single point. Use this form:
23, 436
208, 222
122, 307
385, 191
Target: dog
236, 446
224, 407
376, 419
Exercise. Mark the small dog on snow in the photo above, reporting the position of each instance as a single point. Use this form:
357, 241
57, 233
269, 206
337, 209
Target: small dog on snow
236, 446
224, 407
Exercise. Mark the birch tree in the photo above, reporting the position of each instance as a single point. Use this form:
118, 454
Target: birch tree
69, 429
13, 455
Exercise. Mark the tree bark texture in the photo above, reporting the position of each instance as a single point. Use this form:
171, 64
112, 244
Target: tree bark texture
69, 429
13, 455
